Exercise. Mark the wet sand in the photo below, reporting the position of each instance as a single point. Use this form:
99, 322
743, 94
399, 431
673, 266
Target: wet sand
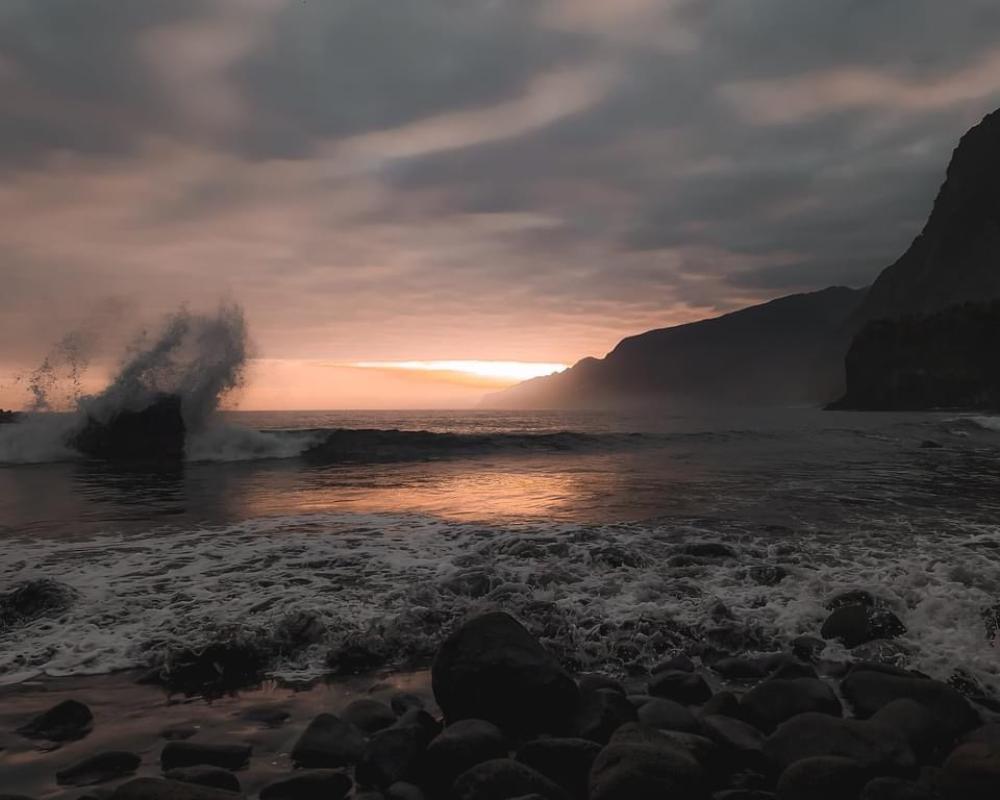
133, 717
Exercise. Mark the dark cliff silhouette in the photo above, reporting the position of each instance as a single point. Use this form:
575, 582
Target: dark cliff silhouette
792, 350
782, 352
154, 433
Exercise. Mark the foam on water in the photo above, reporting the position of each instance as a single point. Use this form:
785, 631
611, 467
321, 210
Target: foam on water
601, 596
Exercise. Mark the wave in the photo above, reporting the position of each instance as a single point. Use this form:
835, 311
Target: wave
385, 588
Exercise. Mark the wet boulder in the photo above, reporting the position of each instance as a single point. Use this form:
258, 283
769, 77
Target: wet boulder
328, 742
641, 763
159, 789
667, 715
687, 688
972, 772
34, 600
601, 713
214, 777
857, 624
504, 778
99, 768
566, 762
369, 715
67, 721
772, 702
492, 668
317, 784
885, 788
741, 743
460, 747
822, 778
194, 754
868, 690
392, 755
879, 749
154, 433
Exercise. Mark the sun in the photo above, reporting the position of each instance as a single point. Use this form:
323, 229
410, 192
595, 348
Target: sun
500, 371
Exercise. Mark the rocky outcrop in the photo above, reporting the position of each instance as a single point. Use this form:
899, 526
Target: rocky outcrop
942, 360
153, 434
8, 417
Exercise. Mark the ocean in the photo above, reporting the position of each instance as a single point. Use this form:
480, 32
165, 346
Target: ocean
614, 538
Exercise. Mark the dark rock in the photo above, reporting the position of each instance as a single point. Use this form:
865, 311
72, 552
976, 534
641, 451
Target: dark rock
876, 747
641, 763
822, 778
857, 624
194, 754
319, 784
723, 704
215, 777
770, 703
743, 794
158, 789
355, 656
676, 662
895, 789
33, 600
682, 687
972, 772
867, 691
391, 755
492, 668
639, 700
930, 444
593, 682
8, 417
417, 716
601, 713
328, 742
808, 648
989, 733
368, 715
401, 702
460, 747
566, 762
667, 715
216, 669
151, 434
404, 791
298, 630
700, 748
99, 769
852, 597
917, 726
741, 668
67, 721
504, 778
742, 744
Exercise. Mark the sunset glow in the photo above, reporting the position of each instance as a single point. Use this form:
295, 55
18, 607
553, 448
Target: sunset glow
512, 371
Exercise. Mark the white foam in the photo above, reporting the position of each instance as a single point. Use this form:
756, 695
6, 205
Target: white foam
139, 595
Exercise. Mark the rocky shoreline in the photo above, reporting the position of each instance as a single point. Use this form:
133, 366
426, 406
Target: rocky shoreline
504, 719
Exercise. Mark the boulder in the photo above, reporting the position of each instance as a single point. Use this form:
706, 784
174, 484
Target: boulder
158, 789
491, 668
676, 662
67, 721
601, 713
640, 763
742, 744
368, 715
879, 749
868, 690
460, 747
667, 715
99, 768
504, 778
972, 772
328, 742
154, 433
896, 789
317, 784
917, 726
194, 754
391, 755
723, 704
401, 702
857, 624
769, 704
33, 600
822, 778
215, 777
566, 762
404, 791
682, 687
266, 716
594, 682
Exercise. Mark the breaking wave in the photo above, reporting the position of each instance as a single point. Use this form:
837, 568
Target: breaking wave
380, 591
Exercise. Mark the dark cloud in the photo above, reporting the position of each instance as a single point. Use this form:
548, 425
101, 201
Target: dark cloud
522, 179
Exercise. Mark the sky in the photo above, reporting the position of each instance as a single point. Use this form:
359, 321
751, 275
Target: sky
451, 180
